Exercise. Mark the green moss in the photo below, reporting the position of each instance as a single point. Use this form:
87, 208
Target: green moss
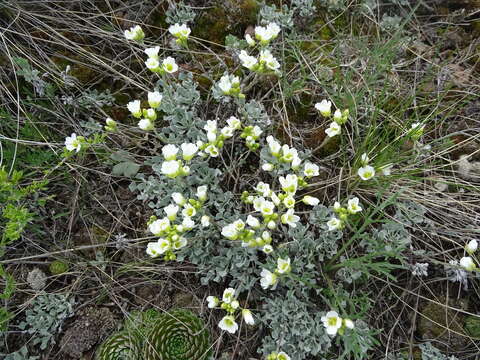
472, 325
226, 17
440, 321
58, 267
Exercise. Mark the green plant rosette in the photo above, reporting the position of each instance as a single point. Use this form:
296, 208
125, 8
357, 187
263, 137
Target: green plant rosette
150, 335
178, 335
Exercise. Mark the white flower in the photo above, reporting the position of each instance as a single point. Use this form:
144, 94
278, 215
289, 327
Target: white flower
234, 123
146, 124
248, 317
283, 265
267, 279
288, 154
310, 200
273, 145
267, 208
265, 34
334, 224
366, 172
225, 84
179, 31
333, 129
171, 211
152, 64
169, 152
188, 223
239, 224
267, 167
188, 151
349, 324
212, 150
169, 65
171, 168
271, 225
205, 221
250, 40
227, 132
387, 169
289, 202
296, 162
212, 302
202, 192
154, 99
290, 218
269, 60
152, 52
154, 250
256, 132
353, 206
211, 136
159, 226
337, 116
179, 243
253, 222
230, 232
228, 295
73, 143
134, 33
364, 159
289, 183
325, 107
189, 211
275, 198
311, 170
257, 203
134, 108
150, 114
336, 206
472, 246
228, 324
247, 61
267, 249
263, 188
211, 126
332, 322
178, 198
283, 356
467, 263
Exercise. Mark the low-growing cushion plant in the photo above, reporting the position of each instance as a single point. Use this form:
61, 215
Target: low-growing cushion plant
151, 335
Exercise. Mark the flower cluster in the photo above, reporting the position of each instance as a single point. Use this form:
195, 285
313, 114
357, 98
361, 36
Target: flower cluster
171, 230
270, 279
168, 65
334, 323
230, 304
339, 117
366, 172
180, 32
278, 356
285, 155
251, 134
230, 85
264, 34
216, 138
265, 64
149, 115
173, 167
134, 33
353, 207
